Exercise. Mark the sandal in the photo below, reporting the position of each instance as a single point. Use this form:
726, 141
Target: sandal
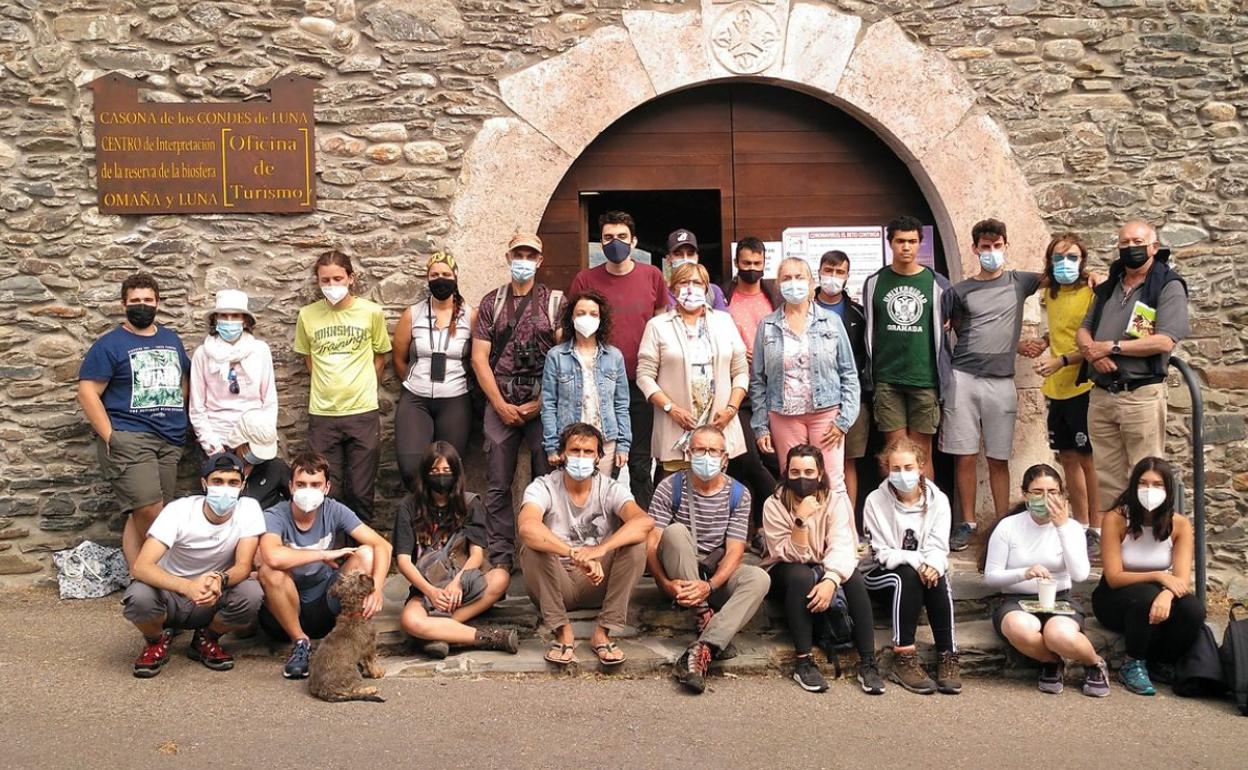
556, 651
609, 647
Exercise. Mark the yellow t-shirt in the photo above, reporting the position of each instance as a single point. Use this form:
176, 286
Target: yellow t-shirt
1065, 313
342, 344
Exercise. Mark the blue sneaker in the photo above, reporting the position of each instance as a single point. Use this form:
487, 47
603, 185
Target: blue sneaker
297, 663
1134, 676
961, 537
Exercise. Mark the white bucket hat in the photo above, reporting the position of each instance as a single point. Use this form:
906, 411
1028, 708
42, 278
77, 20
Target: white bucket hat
258, 431
233, 301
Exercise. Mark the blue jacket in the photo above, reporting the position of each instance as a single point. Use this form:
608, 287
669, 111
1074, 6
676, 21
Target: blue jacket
834, 375
562, 385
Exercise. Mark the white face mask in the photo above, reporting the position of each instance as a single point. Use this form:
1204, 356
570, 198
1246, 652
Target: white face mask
691, 297
678, 261
1150, 497
335, 294
585, 325
308, 499
831, 284
795, 290
904, 481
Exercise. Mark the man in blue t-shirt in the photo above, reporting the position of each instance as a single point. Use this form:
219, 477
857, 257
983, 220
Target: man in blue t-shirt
132, 387
299, 562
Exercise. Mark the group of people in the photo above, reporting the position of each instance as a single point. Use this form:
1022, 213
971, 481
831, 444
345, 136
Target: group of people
741, 415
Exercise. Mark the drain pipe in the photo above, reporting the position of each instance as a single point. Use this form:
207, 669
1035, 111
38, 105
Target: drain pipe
1198, 472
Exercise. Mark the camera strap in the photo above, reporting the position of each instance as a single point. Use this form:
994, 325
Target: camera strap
503, 340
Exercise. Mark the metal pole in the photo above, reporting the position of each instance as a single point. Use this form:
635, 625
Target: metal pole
1198, 471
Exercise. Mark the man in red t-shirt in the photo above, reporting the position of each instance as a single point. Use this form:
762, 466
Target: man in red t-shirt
637, 293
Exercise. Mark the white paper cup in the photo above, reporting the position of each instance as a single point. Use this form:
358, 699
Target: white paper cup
1046, 592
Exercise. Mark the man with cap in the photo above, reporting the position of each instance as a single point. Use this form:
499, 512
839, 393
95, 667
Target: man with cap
193, 571
517, 324
254, 439
682, 248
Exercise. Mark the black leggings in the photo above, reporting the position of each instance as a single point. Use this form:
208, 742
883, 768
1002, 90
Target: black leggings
790, 583
1125, 610
909, 595
419, 421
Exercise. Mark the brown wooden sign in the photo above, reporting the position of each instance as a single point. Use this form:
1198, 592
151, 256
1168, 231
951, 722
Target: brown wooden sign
161, 158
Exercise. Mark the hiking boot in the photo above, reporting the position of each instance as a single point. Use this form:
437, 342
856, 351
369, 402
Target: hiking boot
807, 675
501, 639
949, 674
206, 648
436, 650
1134, 676
1096, 680
702, 617
869, 677
691, 667
729, 652
154, 656
297, 664
961, 537
908, 672
1052, 677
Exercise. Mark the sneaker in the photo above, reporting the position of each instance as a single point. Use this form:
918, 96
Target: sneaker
691, 667
1096, 680
1052, 677
1134, 676
206, 648
908, 672
154, 656
501, 639
727, 653
297, 664
1161, 673
949, 674
961, 537
807, 675
1094, 542
869, 677
437, 650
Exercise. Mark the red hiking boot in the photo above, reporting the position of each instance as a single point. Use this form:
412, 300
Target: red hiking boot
206, 648
154, 656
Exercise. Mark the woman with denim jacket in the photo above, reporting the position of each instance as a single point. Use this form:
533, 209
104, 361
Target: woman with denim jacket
804, 388
584, 381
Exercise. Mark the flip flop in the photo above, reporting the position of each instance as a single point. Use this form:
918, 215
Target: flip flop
609, 647
556, 651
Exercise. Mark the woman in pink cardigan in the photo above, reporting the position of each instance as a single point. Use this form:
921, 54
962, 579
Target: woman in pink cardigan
231, 373
811, 552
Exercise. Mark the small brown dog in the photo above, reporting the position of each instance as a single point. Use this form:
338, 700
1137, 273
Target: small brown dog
350, 648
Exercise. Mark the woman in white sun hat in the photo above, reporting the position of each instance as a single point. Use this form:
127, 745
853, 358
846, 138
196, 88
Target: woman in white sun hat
231, 373
254, 439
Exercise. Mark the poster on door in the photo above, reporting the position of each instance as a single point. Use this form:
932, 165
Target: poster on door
864, 245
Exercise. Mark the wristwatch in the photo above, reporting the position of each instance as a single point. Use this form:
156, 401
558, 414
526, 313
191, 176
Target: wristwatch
1117, 348
667, 408
799, 522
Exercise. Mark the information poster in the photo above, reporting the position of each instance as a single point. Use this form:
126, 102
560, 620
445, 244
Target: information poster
863, 245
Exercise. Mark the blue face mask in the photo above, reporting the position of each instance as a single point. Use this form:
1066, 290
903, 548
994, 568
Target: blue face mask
523, 270
1066, 272
580, 468
904, 481
221, 499
616, 250
230, 330
706, 467
992, 261
250, 458
795, 291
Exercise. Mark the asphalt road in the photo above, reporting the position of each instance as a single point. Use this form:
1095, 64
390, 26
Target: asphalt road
67, 699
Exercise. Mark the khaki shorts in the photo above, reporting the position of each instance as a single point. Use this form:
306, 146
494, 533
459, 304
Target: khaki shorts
902, 407
859, 432
142, 467
981, 408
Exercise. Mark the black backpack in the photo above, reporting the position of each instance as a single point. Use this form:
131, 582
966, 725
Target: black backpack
1235, 658
1198, 674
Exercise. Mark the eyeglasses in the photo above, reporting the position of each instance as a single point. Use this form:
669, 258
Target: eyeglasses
233, 378
714, 454
1065, 258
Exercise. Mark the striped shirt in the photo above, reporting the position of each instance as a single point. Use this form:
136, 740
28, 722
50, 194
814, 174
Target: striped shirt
716, 524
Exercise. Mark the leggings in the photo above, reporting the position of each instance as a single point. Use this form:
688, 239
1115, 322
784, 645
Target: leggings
909, 595
790, 583
419, 421
1125, 610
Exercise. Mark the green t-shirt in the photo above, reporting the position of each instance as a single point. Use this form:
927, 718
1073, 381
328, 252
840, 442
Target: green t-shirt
342, 344
902, 351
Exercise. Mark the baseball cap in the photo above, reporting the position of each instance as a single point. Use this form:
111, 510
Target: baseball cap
256, 429
680, 238
221, 461
525, 239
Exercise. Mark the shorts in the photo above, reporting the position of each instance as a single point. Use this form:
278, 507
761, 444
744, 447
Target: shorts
318, 611
471, 580
1068, 424
236, 608
859, 432
142, 467
981, 408
902, 407
1010, 604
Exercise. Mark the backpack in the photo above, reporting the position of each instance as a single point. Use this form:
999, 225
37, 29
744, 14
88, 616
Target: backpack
1235, 658
1198, 674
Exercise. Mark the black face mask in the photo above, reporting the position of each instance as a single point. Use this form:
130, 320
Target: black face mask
442, 288
140, 316
750, 276
1133, 256
803, 488
616, 250
442, 482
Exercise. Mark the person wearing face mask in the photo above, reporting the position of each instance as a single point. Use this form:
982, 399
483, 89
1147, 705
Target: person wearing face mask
1145, 593
584, 381
343, 341
811, 553
907, 526
231, 373
132, 387
581, 546
194, 571
517, 325
1038, 540
701, 522
692, 367
636, 293
301, 559
1137, 317
432, 349
439, 541
682, 249
254, 439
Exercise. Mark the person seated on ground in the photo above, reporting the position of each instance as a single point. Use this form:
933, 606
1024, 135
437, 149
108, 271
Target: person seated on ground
1037, 540
811, 552
907, 524
440, 541
701, 525
301, 557
254, 439
1145, 592
582, 545
193, 568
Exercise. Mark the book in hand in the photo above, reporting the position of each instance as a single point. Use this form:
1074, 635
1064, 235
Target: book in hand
1143, 321
1060, 607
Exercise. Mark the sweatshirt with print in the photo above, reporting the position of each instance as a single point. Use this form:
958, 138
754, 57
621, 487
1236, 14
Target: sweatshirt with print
902, 533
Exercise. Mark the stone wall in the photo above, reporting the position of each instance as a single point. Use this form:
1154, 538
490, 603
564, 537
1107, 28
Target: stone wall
1112, 107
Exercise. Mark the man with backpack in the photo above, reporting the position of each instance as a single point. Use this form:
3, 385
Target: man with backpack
701, 523
517, 324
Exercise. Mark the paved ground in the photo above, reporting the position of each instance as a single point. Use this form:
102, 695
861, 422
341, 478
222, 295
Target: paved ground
68, 699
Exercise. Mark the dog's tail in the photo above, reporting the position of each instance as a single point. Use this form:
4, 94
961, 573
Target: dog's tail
367, 694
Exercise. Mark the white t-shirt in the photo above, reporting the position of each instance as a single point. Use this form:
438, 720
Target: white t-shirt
195, 544
589, 524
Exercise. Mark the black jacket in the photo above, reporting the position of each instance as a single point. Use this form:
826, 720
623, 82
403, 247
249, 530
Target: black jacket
769, 288
856, 327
